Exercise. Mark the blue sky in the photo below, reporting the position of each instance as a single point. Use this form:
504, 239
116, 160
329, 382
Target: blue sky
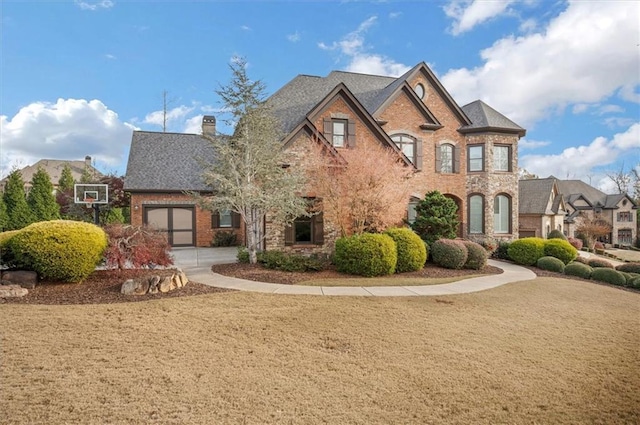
78, 76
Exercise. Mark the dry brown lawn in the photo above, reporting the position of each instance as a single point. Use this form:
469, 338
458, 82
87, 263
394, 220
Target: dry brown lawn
548, 351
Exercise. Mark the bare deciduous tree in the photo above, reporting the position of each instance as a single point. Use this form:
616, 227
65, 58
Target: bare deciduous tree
592, 228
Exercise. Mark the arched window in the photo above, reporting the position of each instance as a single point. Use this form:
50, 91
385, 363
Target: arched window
407, 145
502, 214
476, 213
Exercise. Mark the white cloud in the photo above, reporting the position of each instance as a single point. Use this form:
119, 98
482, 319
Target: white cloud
94, 5
245, 28
294, 38
610, 109
193, 125
394, 15
583, 161
469, 13
529, 25
68, 129
110, 56
352, 45
579, 108
586, 54
157, 117
525, 144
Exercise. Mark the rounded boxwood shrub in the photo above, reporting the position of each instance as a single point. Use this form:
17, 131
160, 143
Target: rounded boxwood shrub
476, 255
626, 267
366, 255
411, 249
526, 251
502, 251
551, 264
628, 277
556, 234
561, 249
604, 274
61, 250
578, 270
449, 253
599, 263
635, 283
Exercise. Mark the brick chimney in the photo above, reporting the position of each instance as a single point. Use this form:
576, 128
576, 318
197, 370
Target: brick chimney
87, 161
209, 125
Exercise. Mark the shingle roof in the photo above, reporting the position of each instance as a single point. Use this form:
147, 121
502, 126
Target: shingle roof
571, 189
167, 162
533, 195
54, 168
484, 117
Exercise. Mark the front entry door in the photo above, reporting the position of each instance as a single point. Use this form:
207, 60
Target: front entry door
177, 222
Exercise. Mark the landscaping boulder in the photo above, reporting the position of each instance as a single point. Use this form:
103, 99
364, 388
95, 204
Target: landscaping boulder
11, 291
135, 287
155, 284
23, 278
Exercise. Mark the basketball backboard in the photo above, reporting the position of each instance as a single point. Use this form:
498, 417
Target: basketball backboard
91, 194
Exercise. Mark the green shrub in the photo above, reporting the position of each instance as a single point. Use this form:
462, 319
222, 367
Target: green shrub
502, 251
224, 238
526, 251
551, 264
635, 282
6, 259
604, 274
626, 267
599, 263
449, 253
366, 255
556, 234
628, 277
561, 249
243, 255
578, 269
62, 250
476, 256
278, 260
411, 250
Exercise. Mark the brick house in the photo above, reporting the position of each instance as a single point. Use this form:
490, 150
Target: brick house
468, 153
54, 168
565, 201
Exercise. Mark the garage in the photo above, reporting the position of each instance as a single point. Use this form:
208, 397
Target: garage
176, 221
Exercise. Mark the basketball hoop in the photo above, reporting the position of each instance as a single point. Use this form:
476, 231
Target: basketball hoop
89, 202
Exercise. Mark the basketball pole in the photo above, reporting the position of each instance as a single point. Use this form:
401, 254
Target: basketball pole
96, 214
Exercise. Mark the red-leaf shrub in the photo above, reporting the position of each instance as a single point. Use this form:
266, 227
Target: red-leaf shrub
577, 243
137, 247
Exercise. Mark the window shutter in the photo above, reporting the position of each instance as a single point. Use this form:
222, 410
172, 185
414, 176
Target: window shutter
289, 237
509, 158
318, 229
235, 220
328, 130
418, 159
438, 159
456, 159
215, 220
351, 128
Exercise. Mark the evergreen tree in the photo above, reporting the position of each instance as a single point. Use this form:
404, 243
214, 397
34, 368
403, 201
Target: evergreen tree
41, 199
4, 218
18, 213
66, 182
436, 218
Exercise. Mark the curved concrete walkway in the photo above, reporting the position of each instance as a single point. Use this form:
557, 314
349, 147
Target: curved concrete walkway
200, 271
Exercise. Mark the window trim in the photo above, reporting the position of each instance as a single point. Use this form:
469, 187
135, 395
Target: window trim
482, 216
482, 158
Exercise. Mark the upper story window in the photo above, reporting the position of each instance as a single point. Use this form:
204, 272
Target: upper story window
447, 158
407, 145
625, 216
341, 133
419, 89
501, 158
475, 158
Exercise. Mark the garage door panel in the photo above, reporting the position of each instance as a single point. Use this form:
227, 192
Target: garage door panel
176, 222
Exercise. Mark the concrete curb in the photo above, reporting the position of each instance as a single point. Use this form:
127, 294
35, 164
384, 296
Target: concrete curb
511, 273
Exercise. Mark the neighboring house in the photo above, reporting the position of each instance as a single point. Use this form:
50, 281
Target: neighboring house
618, 210
543, 201
54, 168
541, 207
468, 153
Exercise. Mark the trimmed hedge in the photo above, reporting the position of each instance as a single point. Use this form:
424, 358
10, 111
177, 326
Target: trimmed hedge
556, 234
578, 269
366, 255
476, 255
635, 282
628, 277
598, 262
526, 251
410, 248
278, 260
607, 275
61, 250
449, 253
626, 267
561, 249
551, 264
